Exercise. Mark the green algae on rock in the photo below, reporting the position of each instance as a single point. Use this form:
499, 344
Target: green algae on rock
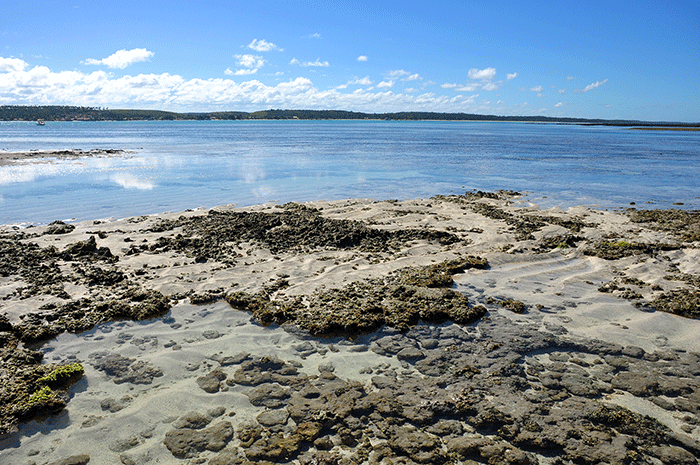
63, 374
29, 389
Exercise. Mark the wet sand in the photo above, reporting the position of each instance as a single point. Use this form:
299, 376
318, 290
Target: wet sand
562, 352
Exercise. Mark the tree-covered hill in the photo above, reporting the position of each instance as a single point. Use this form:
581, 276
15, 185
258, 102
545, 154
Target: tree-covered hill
75, 113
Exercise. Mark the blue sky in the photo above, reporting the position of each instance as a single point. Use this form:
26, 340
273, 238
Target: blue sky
611, 59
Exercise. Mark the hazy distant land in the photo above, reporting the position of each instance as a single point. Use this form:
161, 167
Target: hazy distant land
76, 113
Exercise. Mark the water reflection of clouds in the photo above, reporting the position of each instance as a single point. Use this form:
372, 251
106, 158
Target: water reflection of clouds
29, 172
252, 172
263, 193
129, 181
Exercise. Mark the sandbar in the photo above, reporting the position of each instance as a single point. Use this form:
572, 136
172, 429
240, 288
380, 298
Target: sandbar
36, 156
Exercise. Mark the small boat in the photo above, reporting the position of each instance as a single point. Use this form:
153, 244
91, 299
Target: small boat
41, 123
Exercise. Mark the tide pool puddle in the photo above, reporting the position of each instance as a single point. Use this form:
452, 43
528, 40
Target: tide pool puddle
142, 376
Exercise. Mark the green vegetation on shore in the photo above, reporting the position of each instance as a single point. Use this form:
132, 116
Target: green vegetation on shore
76, 113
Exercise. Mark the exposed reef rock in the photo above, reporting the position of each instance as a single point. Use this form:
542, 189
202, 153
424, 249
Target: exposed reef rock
297, 228
683, 224
471, 385
30, 389
399, 300
496, 392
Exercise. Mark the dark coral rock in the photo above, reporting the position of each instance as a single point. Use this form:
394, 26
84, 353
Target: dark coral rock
82, 459
365, 306
211, 381
297, 227
59, 227
187, 443
681, 302
126, 370
684, 224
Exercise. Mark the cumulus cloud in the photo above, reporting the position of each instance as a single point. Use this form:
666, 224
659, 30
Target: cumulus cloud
240, 72
537, 89
510, 76
362, 58
12, 64
122, 58
490, 86
561, 91
570, 78
250, 61
591, 86
317, 63
396, 73
560, 104
315, 35
468, 88
365, 81
263, 46
21, 84
385, 84
413, 77
483, 74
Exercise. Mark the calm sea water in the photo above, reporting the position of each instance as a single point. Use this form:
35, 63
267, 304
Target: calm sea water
180, 165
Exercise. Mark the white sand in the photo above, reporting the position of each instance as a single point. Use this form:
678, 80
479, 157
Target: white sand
560, 288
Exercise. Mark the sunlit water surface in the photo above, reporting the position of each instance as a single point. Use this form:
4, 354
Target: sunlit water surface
188, 164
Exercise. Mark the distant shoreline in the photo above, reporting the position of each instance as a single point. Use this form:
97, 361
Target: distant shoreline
74, 113
670, 128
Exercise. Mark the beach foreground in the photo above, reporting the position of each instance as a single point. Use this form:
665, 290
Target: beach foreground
443, 330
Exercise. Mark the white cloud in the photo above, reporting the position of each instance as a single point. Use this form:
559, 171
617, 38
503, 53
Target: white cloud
561, 91
510, 76
315, 35
537, 89
540, 94
362, 58
483, 74
449, 85
12, 64
468, 88
591, 86
22, 84
398, 73
490, 86
240, 72
250, 61
317, 63
413, 77
365, 81
122, 58
560, 104
570, 78
263, 46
